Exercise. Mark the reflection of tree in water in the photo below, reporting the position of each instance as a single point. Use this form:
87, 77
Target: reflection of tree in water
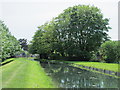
69, 77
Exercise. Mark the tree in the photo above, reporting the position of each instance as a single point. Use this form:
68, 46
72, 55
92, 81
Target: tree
80, 30
110, 51
9, 46
42, 41
23, 43
74, 34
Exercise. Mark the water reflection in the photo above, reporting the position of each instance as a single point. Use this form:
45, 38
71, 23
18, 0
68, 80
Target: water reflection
69, 77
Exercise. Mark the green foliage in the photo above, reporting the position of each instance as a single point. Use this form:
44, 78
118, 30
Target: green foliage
74, 34
23, 43
42, 41
9, 46
96, 57
110, 51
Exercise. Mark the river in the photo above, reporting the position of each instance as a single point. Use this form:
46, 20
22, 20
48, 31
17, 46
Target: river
66, 76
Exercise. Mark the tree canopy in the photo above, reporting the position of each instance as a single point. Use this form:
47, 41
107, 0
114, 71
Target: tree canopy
74, 34
110, 51
23, 43
9, 45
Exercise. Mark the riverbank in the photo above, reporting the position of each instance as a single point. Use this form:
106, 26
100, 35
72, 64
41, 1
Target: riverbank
24, 73
71, 77
110, 69
106, 66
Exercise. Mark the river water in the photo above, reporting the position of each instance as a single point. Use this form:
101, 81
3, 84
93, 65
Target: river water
70, 77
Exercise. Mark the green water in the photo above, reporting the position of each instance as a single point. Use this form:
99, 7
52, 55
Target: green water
69, 77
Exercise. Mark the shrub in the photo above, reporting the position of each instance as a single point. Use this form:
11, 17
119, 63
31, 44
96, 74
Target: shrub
110, 51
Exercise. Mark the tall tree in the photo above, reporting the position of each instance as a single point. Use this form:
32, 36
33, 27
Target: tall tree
80, 30
75, 33
9, 46
42, 41
23, 43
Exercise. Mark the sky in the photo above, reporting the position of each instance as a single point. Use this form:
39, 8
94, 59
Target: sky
22, 17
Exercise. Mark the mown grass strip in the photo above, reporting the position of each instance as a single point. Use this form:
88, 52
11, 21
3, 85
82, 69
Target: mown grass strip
105, 66
23, 73
99, 65
75, 65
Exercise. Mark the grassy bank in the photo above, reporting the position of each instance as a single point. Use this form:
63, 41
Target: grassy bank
23, 73
105, 66
100, 65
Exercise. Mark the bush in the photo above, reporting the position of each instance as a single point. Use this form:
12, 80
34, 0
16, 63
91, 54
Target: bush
110, 51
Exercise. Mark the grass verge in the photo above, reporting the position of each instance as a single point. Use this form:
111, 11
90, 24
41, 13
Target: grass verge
100, 65
105, 66
23, 73
74, 65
